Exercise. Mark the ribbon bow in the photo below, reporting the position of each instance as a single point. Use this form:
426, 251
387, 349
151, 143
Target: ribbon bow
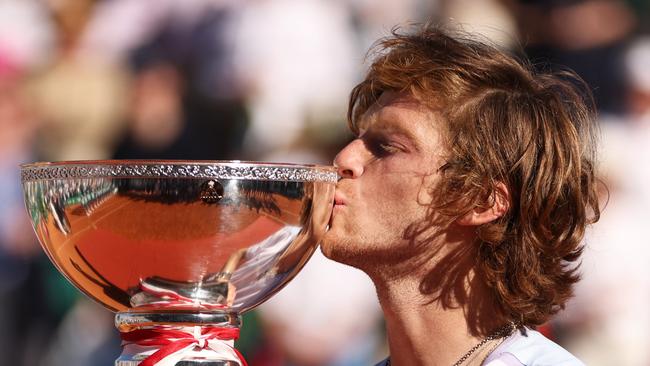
176, 343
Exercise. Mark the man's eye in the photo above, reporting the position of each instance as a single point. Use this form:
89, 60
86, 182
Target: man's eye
388, 148
379, 145
381, 149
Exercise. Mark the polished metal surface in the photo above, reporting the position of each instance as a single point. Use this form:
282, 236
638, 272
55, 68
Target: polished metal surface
126, 321
196, 237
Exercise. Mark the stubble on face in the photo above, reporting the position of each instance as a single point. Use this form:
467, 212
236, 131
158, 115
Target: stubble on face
357, 247
370, 230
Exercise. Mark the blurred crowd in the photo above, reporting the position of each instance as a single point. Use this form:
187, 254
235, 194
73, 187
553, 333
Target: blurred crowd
269, 80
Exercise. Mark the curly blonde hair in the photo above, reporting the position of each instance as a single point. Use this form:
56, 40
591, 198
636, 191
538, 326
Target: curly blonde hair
504, 124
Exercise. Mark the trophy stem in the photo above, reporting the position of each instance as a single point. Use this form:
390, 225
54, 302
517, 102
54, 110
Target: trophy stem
178, 339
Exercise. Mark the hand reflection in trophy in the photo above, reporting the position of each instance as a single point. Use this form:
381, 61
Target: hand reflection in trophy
178, 249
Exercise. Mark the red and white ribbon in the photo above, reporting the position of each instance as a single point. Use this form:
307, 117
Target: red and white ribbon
176, 344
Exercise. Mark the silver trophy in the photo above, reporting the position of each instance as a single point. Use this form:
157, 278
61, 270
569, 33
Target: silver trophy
178, 249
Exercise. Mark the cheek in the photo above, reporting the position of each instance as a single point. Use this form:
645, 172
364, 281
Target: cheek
396, 199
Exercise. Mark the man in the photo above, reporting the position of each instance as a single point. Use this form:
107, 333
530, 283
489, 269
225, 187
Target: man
464, 197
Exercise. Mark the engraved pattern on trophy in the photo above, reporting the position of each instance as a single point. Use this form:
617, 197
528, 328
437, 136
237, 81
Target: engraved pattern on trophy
234, 170
153, 241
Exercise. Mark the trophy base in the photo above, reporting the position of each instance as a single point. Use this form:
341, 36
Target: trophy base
183, 363
178, 339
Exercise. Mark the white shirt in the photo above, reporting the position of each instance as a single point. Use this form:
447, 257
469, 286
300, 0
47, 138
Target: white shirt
529, 349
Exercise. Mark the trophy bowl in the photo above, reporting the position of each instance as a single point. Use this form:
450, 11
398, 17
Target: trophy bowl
178, 249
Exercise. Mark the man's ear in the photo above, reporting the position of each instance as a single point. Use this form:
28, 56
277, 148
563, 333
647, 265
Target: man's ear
500, 203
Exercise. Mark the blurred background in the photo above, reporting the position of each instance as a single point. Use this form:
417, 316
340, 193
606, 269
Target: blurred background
269, 80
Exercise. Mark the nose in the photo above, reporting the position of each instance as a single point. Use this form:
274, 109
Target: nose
351, 160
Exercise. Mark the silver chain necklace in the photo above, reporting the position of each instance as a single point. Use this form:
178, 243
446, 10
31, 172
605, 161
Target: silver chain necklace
502, 332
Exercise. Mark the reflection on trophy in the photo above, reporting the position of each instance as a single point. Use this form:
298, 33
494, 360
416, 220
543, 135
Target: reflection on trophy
178, 249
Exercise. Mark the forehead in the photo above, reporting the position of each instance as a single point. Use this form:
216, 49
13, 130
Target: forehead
403, 114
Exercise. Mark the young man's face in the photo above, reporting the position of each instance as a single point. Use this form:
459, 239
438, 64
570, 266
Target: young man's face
386, 176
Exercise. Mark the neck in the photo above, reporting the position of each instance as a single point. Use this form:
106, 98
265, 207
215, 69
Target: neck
420, 332
436, 312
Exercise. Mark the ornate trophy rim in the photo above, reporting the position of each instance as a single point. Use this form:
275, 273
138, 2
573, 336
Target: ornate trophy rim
217, 169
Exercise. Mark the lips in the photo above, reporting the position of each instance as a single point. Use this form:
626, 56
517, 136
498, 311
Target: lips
338, 200
336, 206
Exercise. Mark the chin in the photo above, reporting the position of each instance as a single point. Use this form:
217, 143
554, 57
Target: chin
344, 257
328, 245
336, 247
347, 251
